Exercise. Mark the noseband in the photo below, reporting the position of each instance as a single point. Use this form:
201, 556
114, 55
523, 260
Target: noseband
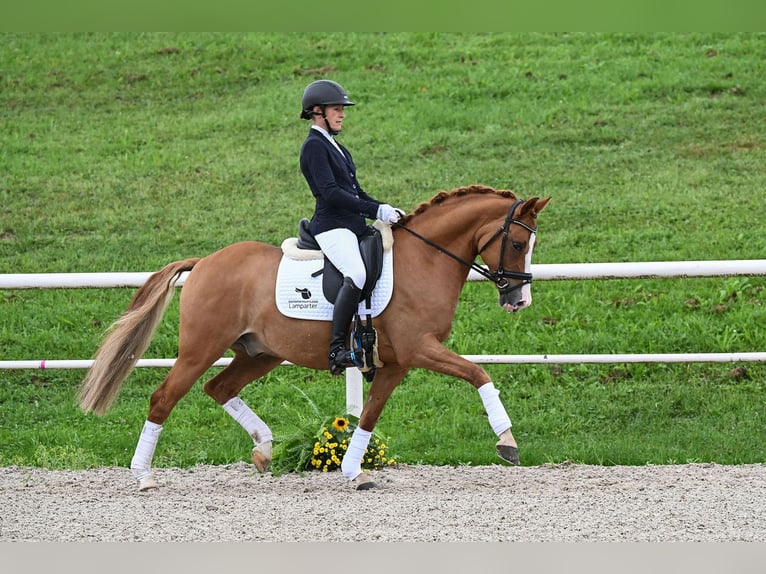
500, 276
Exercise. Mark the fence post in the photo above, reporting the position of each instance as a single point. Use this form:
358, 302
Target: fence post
354, 392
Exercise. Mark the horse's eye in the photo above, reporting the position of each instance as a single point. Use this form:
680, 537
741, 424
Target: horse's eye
518, 245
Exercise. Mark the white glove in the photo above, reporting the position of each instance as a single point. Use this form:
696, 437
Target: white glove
389, 214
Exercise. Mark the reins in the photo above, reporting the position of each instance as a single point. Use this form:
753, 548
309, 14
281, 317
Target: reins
500, 276
439, 248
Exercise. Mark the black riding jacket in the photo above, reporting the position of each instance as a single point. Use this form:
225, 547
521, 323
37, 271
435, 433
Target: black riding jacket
340, 200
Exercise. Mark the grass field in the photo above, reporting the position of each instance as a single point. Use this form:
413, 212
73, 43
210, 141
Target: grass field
122, 152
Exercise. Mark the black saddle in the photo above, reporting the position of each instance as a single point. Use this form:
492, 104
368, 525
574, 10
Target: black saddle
371, 248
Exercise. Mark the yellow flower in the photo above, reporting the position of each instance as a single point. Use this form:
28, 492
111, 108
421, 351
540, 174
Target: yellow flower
340, 423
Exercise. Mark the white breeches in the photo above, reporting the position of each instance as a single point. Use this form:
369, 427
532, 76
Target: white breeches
341, 246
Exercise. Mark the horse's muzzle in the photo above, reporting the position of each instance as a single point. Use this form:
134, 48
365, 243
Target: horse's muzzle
513, 307
514, 299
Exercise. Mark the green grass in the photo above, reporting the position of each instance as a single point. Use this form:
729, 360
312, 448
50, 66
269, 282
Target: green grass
122, 152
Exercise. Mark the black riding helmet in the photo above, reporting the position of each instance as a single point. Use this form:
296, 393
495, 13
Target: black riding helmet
323, 93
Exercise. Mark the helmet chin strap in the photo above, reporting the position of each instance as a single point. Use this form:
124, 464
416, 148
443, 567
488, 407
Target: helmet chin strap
330, 131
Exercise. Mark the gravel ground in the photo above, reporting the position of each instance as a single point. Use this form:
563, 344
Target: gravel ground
553, 503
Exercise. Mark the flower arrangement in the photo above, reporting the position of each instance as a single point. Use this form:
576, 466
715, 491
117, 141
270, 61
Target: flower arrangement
310, 449
332, 442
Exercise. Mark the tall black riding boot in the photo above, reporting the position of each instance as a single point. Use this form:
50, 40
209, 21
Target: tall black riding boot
346, 305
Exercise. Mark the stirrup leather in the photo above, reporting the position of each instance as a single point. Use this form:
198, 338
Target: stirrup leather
364, 341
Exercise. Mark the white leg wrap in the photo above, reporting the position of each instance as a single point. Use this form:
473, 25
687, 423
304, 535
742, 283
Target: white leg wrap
498, 418
249, 421
141, 465
351, 466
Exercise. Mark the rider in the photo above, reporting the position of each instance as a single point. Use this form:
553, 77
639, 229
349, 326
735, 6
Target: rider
341, 207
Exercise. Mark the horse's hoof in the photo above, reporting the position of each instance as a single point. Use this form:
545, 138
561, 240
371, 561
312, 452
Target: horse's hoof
363, 482
508, 453
262, 456
147, 483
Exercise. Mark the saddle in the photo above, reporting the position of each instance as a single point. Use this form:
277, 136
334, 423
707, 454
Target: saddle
363, 335
371, 248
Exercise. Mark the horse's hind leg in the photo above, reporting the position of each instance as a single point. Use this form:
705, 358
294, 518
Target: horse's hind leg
224, 388
188, 368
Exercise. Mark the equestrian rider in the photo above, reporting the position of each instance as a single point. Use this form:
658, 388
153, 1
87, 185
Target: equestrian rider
341, 207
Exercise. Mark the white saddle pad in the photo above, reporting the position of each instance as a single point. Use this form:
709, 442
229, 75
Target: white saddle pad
299, 295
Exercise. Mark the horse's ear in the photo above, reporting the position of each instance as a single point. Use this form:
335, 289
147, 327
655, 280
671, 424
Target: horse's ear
534, 205
540, 204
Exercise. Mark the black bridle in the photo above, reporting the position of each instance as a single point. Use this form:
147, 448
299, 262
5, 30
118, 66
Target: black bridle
500, 276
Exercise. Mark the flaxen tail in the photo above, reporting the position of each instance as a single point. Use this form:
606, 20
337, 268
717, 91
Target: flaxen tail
129, 337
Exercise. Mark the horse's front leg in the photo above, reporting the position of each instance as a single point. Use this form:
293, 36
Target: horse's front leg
386, 380
434, 356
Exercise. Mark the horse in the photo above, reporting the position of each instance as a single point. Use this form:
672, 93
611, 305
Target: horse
228, 302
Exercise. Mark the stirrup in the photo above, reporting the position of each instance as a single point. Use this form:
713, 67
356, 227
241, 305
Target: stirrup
341, 359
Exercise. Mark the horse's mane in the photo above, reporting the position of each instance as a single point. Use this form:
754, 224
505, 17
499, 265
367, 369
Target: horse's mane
443, 196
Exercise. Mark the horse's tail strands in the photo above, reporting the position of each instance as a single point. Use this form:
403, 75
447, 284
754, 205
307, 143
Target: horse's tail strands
129, 337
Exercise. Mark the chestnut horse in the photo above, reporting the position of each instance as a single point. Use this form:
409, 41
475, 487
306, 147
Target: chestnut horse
228, 302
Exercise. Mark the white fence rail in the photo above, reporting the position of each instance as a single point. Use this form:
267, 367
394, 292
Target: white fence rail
544, 272
479, 359
541, 272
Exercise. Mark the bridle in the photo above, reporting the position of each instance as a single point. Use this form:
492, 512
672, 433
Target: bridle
500, 276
